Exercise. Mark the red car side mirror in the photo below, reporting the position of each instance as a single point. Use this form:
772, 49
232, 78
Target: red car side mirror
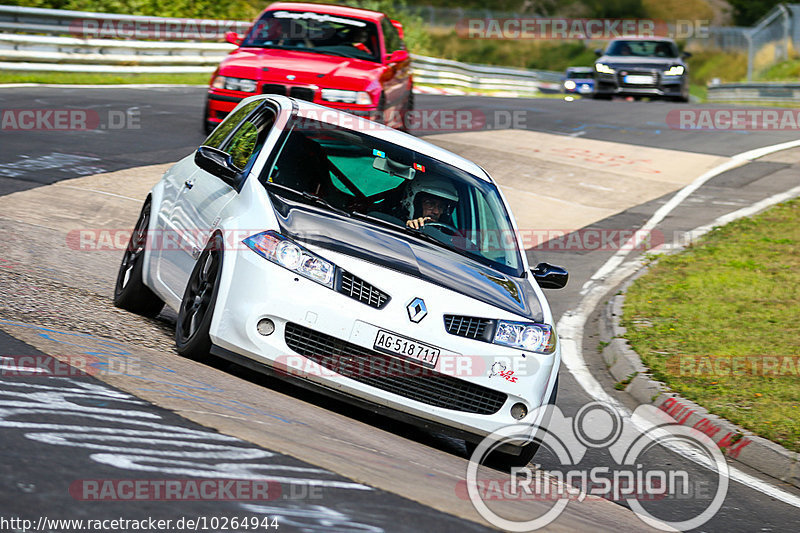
234, 38
398, 56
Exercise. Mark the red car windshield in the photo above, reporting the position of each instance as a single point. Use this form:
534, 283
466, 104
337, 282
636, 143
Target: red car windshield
315, 32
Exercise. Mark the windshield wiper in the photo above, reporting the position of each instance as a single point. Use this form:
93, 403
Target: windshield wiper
328, 52
325, 203
313, 198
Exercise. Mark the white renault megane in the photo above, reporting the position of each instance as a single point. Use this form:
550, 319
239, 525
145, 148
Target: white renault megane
354, 259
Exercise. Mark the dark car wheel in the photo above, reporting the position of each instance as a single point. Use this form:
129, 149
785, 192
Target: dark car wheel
505, 461
208, 126
407, 110
130, 292
379, 115
197, 307
601, 96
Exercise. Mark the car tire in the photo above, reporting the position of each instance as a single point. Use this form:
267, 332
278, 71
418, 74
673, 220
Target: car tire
208, 126
504, 460
601, 97
130, 292
199, 300
408, 109
380, 111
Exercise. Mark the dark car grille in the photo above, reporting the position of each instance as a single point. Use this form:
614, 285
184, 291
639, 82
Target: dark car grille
416, 383
468, 326
360, 290
271, 88
301, 93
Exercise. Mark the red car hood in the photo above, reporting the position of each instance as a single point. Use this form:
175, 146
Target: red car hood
270, 64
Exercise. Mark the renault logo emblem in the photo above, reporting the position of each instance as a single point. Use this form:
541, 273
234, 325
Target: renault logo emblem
416, 310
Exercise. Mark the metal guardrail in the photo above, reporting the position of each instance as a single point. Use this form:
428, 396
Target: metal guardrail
484, 77
755, 92
16, 19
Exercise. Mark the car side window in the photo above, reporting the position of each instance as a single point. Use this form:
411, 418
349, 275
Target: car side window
219, 135
245, 143
391, 36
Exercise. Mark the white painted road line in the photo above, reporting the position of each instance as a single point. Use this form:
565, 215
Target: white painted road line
675, 201
613, 272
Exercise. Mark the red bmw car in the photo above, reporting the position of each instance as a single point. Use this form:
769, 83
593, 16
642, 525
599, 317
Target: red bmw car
340, 57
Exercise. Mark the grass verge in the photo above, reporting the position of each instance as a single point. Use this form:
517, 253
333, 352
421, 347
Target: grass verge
711, 321
89, 78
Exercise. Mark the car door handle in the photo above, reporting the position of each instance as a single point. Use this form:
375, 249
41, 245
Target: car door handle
188, 183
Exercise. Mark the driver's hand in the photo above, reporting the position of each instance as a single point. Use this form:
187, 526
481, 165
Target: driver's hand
417, 223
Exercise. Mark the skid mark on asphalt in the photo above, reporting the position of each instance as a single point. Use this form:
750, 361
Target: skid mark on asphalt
54, 162
113, 358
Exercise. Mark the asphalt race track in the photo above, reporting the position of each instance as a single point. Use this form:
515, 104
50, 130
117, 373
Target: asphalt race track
156, 416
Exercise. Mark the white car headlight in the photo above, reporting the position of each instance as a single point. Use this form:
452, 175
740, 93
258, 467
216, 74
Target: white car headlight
676, 70
346, 97
569, 85
602, 68
235, 84
526, 335
288, 254
276, 248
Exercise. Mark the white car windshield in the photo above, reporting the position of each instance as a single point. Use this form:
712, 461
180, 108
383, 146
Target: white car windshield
361, 176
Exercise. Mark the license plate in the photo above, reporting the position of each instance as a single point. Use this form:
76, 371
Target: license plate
642, 80
397, 344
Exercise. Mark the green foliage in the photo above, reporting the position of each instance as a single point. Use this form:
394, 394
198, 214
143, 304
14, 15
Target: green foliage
548, 55
10, 76
747, 12
704, 65
783, 71
615, 8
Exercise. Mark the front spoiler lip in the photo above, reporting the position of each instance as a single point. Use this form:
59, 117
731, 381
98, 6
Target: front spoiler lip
374, 408
650, 91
